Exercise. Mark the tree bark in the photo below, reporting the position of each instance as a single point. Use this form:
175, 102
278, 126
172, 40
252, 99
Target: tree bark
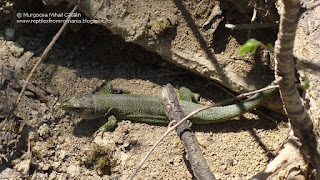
198, 163
301, 122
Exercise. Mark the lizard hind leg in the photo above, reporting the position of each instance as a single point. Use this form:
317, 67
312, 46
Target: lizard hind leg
110, 125
187, 95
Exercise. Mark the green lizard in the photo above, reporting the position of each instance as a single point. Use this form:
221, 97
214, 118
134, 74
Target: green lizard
148, 109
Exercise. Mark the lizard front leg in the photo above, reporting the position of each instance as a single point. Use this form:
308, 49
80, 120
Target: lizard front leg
110, 125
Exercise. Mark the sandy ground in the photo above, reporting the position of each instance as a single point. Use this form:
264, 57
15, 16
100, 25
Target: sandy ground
81, 62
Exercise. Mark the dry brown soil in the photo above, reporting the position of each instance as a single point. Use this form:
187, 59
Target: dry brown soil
80, 62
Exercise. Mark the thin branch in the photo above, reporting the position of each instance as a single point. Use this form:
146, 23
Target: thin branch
254, 16
300, 120
192, 114
198, 6
251, 26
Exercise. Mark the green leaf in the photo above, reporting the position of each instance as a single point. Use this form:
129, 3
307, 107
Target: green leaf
250, 45
243, 50
306, 85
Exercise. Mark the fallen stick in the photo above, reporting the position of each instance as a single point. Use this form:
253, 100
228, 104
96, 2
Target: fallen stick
198, 163
251, 26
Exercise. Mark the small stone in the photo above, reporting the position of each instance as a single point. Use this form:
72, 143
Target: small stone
16, 50
50, 153
12, 60
63, 154
123, 158
63, 168
23, 167
230, 162
61, 139
34, 113
29, 93
39, 175
2, 51
8, 173
227, 172
5, 57
43, 107
53, 175
33, 121
73, 170
44, 130
46, 167
48, 116
100, 172
21, 63
56, 164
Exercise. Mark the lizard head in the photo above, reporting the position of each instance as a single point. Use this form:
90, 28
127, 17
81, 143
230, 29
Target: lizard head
82, 105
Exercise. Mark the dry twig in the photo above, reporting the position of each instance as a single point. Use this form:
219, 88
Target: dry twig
174, 112
198, 6
254, 16
251, 26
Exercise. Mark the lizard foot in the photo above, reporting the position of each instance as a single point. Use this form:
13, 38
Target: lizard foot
110, 125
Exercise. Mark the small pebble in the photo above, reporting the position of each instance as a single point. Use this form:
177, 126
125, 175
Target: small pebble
44, 130
73, 170
56, 164
63, 154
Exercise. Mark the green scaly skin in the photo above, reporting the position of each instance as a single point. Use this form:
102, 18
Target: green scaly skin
148, 109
